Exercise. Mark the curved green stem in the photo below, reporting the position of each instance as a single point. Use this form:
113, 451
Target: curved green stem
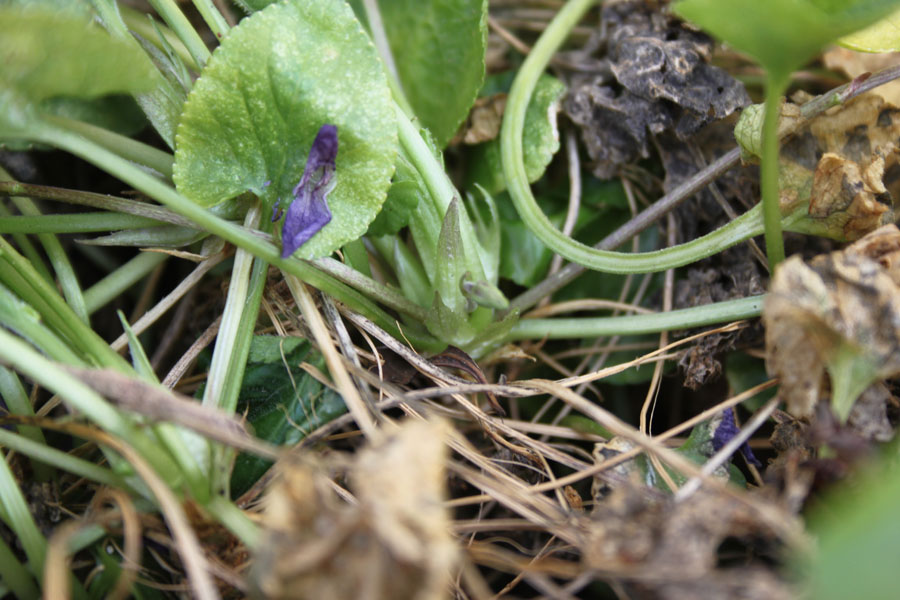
514, 170
775, 85
266, 250
698, 316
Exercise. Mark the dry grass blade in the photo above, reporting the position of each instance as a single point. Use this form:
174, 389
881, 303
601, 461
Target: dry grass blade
780, 521
56, 582
345, 385
151, 316
161, 404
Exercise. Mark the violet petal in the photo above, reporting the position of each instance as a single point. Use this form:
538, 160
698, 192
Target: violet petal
726, 430
309, 211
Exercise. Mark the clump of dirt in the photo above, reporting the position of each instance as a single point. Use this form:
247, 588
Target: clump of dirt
653, 77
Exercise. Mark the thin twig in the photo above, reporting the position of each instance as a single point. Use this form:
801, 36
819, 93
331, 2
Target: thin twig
187, 359
161, 307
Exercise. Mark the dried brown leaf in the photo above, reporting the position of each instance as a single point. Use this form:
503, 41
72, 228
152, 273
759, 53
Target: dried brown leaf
843, 164
843, 301
483, 123
672, 548
393, 543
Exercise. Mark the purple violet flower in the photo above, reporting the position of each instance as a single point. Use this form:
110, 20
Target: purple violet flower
726, 430
309, 212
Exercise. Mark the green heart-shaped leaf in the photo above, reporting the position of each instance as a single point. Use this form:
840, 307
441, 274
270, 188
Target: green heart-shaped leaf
278, 77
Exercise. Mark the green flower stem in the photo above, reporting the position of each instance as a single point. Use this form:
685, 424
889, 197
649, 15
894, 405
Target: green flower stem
213, 18
17, 273
174, 18
577, 328
21, 357
116, 283
18, 518
101, 201
47, 455
129, 149
775, 85
17, 403
28, 249
72, 223
383, 46
231, 232
528, 209
141, 24
68, 281
223, 384
237, 302
15, 576
223, 458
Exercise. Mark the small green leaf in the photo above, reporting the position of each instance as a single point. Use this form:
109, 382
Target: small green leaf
278, 77
438, 47
782, 34
540, 140
523, 257
283, 403
883, 36
163, 105
452, 266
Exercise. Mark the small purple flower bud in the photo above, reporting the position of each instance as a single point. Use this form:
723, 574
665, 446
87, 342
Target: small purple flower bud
726, 430
309, 211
